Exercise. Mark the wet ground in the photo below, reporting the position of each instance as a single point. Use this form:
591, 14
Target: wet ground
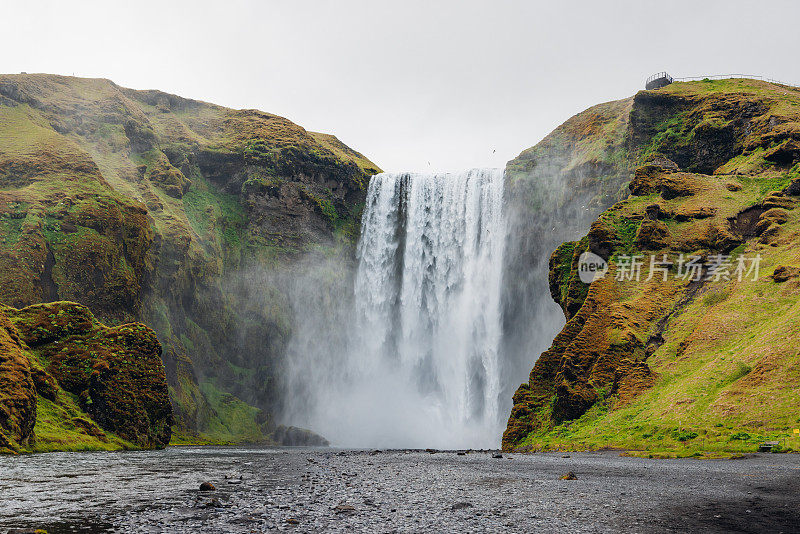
324, 490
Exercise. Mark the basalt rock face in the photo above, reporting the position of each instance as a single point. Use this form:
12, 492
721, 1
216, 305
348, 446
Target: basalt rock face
150, 207
654, 355
52, 351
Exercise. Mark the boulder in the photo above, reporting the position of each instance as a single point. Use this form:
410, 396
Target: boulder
678, 185
292, 436
116, 372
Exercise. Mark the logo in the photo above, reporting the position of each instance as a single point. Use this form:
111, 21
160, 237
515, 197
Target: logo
591, 267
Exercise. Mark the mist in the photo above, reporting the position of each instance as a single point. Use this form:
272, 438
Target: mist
422, 340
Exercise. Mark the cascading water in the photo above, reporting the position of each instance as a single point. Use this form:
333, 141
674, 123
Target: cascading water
421, 367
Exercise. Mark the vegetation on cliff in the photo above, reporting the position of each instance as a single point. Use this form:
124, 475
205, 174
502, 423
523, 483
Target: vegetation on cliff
68, 382
146, 206
671, 364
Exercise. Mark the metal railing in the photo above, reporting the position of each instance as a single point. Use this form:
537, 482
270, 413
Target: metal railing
729, 76
660, 75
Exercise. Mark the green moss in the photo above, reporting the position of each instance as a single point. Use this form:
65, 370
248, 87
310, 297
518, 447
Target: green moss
625, 234
212, 213
671, 132
713, 298
10, 230
562, 266
63, 426
235, 421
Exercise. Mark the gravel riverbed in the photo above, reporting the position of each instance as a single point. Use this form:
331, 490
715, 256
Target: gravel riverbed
329, 490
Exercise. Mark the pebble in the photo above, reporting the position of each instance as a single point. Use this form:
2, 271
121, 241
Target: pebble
403, 491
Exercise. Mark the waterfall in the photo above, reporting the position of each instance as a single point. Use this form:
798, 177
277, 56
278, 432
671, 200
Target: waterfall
422, 368
420, 363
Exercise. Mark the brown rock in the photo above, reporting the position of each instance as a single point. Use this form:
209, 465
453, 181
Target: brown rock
646, 180
733, 186
660, 160
344, 509
783, 273
46, 385
770, 234
601, 238
762, 225
207, 486
678, 185
687, 214
654, 212
784, 154
569, 476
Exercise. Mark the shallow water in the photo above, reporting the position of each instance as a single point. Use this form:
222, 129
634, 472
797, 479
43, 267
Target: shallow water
396, 491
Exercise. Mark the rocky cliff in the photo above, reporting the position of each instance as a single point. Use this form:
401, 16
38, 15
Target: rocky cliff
146, 206
669, 361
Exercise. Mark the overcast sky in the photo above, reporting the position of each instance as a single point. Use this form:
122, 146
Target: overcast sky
414, 85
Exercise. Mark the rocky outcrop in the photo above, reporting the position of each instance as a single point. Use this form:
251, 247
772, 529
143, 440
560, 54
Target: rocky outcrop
52, 350
649, 348
292, 436
17, 390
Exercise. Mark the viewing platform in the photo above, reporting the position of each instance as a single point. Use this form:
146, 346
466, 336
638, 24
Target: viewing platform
657, 81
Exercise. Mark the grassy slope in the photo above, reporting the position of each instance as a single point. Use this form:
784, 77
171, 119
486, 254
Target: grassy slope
726, 376
587, 152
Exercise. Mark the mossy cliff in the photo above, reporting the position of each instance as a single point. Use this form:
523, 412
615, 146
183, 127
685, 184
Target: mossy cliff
671, 364
68, 382
150, 207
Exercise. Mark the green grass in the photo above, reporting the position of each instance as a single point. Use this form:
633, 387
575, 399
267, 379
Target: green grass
625, 230
209, 210
56, 429
10, 230
715, 297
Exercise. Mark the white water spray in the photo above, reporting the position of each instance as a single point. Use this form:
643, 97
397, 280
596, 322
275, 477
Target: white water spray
422, 364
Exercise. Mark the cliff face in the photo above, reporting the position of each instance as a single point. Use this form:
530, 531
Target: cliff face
68, 382
146, 206
553, 193
676, 360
